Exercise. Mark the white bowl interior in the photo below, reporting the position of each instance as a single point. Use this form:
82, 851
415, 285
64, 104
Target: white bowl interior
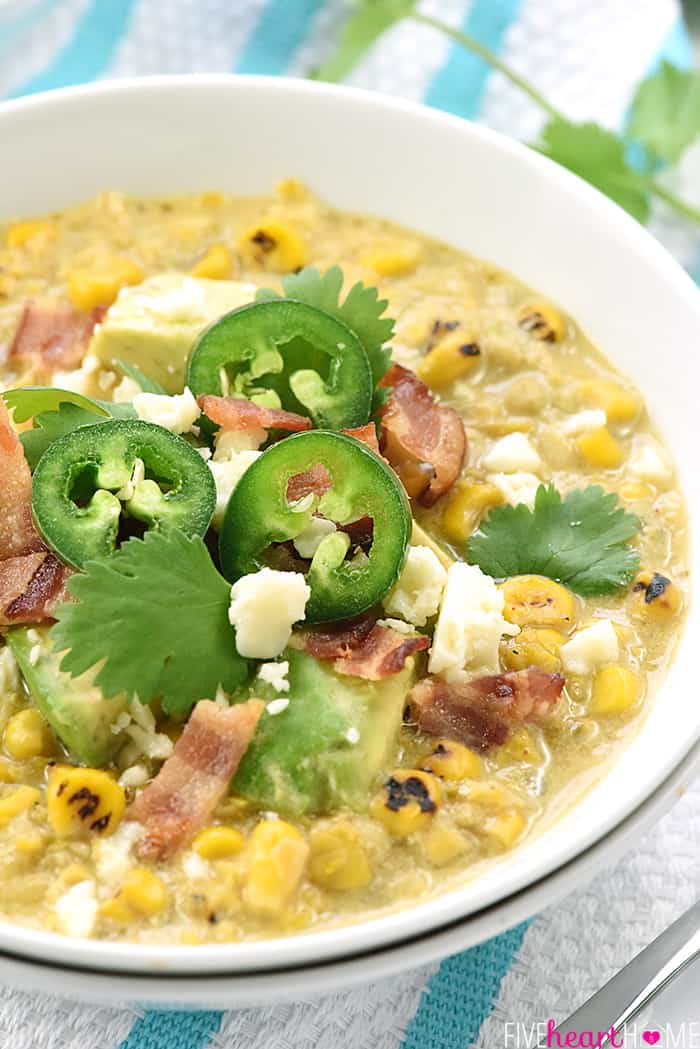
454, 181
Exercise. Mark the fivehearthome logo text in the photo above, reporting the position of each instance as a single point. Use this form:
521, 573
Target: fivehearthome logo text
543, 1035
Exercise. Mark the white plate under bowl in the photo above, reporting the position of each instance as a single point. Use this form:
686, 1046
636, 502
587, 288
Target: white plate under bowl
484, 194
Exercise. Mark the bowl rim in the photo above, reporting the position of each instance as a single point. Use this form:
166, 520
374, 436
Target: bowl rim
392, 928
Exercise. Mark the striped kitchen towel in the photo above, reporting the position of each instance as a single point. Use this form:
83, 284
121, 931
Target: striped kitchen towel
586, 56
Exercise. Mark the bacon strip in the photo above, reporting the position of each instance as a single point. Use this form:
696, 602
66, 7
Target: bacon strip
236, 413
53, 335
183, 796
30, 587
17, 533
314, 481
362, 648
367, 434
424, 441
482, 713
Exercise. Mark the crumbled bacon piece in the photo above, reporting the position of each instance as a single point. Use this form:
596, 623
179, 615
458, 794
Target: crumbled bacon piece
337, 640
483, 712
236, 413
30, 587
53, 335
17, 533
363, 648
424, 441
314, 481
367, 434
193, 780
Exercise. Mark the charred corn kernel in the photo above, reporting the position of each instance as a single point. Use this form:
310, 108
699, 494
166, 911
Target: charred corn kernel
18, 801
600, 449
466, 507
88, 288
277, 855
534, 600
144, 892
453, 357
506, 827
274, 245
633, 490
215, 263
533, 647
618, 404
26, 735
615, 689
442, 843
338, 861
407, 802
21, 233
659, 597
291, 190
452, 760
83, 801
117, 910
215, 843
543, 321
389, 261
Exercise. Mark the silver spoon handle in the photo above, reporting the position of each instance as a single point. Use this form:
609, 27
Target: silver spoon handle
640, 981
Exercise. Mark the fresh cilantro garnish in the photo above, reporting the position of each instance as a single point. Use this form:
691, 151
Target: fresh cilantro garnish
154, 616
580, 540
371, 19
362, 311
146, 384
48, 426
26, 402
665, 115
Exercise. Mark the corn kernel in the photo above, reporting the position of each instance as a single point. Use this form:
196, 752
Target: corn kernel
615, 689
117, 910
22, 233
659, 598
533, 647
520, 747
216, 843
407, 802
466, 507
453, 760
30, 844
542, 321
534, 600
73, 874
20, 800
633, 490
215, 263
274, 245
26, 735
88, 288
82, 801
506, 827
144, 892
338, 861
600, 449
277, 855
618, 404
388, 261
452, 358
9, 773
442, 843
291, 190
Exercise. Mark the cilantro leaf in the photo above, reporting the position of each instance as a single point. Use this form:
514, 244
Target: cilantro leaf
146, 384
370, 21
26, 402
154, 615
665, 114
598, 156
48, 426
580, 540
362, 311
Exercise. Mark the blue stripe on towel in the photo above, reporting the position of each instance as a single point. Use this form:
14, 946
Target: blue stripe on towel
89, 52
459, 85
281, 29
172, 1030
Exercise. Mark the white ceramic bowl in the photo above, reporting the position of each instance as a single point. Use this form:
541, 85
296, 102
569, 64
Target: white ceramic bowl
484, 194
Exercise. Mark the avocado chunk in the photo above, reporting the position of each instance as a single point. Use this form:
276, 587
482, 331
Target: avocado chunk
324, 751
153, 325
75, 708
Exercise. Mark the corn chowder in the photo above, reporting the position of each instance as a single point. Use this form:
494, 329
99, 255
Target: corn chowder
305, 614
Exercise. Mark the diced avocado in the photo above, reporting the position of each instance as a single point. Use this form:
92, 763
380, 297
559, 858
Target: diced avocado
74, 707
323, 751
153, 325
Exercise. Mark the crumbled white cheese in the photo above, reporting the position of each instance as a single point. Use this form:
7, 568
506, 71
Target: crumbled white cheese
275, 674
649, 463
228, 442
80, 380
9, 673
470, 625
134, 776
125, 392
205, 453
194, 866
34, 654
307, 542
264, 607
352, 735
178, 413
590, 647
112, 855
277, 706
141, 729
582, 422
76, 910
399, 625
517, 488
417, 592
138, 474
512, 453
226, 476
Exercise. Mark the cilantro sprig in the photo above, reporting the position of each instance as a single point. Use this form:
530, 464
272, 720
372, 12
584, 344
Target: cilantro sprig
664, 121
362, 311
581, 540
154, 617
